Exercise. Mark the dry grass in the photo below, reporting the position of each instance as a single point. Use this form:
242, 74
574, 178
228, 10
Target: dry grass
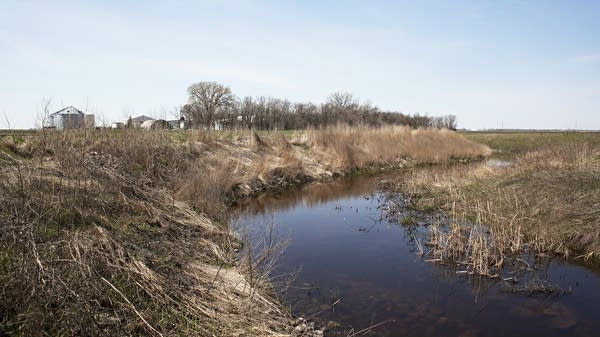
93, 243
547, 201
362, 146
123, 232
481, 245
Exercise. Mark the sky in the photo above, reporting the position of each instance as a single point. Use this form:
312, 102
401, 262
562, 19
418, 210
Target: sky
493, 64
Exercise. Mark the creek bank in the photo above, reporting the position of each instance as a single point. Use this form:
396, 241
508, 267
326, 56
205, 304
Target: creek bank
277, 179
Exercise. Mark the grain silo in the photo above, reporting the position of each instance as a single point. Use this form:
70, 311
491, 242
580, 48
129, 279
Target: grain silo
70, 118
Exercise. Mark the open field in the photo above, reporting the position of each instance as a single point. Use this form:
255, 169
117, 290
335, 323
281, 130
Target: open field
507, 144
19, 132
545, 199
123, 232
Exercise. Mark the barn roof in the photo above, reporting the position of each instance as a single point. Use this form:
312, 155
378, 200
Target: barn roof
141, 119
66, 111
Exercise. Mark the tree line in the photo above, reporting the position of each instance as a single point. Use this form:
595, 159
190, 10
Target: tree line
212, 105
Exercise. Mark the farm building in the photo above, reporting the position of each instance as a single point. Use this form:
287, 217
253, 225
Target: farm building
70, 118
156, 124
137, 122
177, 123
145, 122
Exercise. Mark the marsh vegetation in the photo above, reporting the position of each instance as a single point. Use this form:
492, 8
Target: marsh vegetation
543, 201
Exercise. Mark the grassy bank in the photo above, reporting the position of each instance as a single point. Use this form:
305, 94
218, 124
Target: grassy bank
545, 200
124, 232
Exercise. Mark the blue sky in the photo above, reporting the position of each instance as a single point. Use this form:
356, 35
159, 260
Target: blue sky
516, 64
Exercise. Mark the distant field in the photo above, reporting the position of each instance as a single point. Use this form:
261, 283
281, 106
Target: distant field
4, 132
507, 144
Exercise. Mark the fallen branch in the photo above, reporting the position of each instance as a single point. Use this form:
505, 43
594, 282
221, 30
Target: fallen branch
329, 307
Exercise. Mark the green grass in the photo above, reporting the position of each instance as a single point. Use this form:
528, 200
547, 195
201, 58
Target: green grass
8, 132
407, 220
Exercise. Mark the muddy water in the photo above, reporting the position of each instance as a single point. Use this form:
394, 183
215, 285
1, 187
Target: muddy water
343, 251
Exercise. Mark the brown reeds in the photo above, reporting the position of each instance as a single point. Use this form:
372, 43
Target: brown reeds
363, 146
481, 244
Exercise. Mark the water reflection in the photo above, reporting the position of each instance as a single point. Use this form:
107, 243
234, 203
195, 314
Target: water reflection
310, 195
355, 268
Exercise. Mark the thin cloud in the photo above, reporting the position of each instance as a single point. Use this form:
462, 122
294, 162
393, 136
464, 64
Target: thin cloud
588, 58
210, 70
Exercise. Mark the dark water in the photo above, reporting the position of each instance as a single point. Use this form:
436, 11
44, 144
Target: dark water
342, 247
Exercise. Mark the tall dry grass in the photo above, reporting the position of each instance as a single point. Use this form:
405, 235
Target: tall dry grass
94, 243
478, 239
546, 201
558, 192
363, 146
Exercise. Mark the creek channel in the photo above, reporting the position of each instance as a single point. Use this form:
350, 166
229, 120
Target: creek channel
348, 266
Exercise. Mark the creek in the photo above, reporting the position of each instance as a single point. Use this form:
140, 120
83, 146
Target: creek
348, 266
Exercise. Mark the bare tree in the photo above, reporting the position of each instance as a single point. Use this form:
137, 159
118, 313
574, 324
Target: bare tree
339, 106
450, 122
443, 122
205, 100
43, 116
342, 100
247, 112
